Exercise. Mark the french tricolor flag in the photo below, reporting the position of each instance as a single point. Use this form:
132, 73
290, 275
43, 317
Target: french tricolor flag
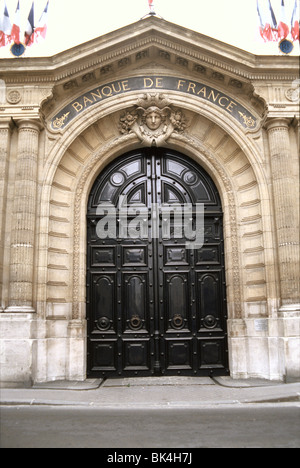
29, 30
5, 27
151, 5
41, 29
268, 23
283, 29
16, 29
295, 23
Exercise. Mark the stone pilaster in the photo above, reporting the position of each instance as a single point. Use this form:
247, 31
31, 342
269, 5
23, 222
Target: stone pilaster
24, 219
5, 135
286, 207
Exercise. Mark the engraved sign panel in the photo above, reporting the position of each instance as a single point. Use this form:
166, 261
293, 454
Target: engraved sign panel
200, 91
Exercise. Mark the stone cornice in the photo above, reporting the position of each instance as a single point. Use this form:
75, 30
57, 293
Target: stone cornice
145, 34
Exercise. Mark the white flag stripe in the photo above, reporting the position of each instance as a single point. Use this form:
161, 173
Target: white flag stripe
5, 24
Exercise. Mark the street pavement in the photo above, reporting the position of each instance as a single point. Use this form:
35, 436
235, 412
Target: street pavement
163, 430
155, 392
179, 413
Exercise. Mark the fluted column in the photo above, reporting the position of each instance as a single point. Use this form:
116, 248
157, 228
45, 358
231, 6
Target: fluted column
5, 135
286, 204
24, 219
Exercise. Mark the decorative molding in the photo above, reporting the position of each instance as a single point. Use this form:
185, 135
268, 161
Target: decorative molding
13, 96
106, 59
292, 94
277, 124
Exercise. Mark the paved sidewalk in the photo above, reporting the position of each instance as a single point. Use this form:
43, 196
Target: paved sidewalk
155, 392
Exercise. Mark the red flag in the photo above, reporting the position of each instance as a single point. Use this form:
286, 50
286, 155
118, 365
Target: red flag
16, 29
283, 29
29, 30
41, 29
5, 27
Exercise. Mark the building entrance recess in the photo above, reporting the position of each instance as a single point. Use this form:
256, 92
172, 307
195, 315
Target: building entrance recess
156, 301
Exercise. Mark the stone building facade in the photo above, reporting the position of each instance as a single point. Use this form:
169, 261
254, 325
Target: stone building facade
65, 119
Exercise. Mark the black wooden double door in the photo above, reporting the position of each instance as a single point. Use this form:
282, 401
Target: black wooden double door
154, 305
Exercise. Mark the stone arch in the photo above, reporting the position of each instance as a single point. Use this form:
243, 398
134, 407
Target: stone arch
208, 143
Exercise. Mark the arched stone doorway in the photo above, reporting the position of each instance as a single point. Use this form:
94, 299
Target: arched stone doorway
241, 188
156, 298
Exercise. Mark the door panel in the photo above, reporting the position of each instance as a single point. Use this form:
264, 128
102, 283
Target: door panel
154, 306
179, 355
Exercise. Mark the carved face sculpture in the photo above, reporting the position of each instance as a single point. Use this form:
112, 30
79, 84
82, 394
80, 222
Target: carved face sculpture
153, 119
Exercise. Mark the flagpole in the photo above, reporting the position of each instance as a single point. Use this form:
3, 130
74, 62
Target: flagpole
152, 11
